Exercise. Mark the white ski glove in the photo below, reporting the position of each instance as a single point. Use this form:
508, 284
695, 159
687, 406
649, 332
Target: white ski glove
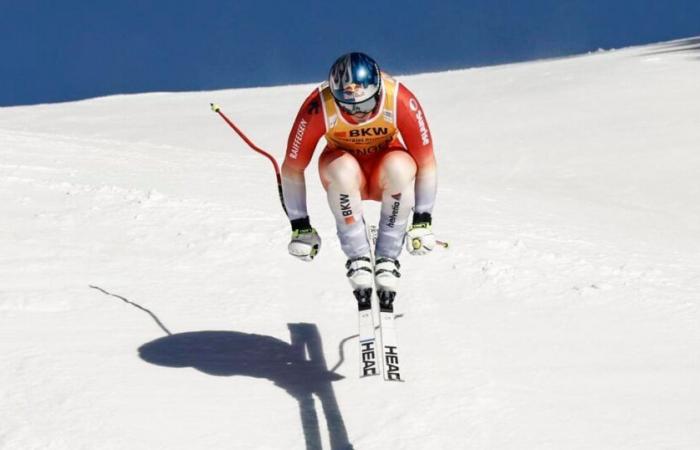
305, 243
420, 238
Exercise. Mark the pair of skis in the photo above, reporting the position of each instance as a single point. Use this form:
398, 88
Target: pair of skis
389, 353
369, 353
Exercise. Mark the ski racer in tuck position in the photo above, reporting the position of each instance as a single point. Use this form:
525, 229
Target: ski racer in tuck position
361, 112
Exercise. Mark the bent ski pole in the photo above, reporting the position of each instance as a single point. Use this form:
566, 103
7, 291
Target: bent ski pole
217, 109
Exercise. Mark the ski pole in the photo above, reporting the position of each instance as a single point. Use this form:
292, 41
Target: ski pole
416, 243
443, 244
216, 109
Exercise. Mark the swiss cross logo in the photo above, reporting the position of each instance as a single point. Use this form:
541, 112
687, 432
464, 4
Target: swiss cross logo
314, 107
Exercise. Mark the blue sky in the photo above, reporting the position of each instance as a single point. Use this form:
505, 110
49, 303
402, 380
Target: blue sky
72, 49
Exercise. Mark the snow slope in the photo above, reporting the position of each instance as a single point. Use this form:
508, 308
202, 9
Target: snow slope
147, 300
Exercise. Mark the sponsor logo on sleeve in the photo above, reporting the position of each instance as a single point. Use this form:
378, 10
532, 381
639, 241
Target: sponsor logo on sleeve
424, 135
296, 144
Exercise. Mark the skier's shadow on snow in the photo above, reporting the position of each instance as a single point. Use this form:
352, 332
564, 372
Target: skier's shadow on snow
230, 353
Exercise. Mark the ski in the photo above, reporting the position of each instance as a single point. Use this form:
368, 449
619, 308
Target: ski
390, 346
387, 330
368, 342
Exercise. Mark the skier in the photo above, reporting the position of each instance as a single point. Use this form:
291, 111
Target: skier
361, 111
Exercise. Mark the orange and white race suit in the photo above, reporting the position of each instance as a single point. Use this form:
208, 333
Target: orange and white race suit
387, 158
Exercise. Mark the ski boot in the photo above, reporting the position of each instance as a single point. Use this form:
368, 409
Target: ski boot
360, 276
386, 279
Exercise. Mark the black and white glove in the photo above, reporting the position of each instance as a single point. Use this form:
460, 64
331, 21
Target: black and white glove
305, 243
420, 238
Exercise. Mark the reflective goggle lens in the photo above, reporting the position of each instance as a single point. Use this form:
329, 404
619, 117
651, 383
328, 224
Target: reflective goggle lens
364, 107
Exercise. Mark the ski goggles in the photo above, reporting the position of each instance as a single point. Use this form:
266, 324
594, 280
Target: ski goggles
365, 107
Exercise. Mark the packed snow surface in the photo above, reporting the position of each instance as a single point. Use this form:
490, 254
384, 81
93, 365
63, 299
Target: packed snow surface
147, 300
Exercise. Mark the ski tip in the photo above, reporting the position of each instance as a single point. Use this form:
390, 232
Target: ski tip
214, 107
